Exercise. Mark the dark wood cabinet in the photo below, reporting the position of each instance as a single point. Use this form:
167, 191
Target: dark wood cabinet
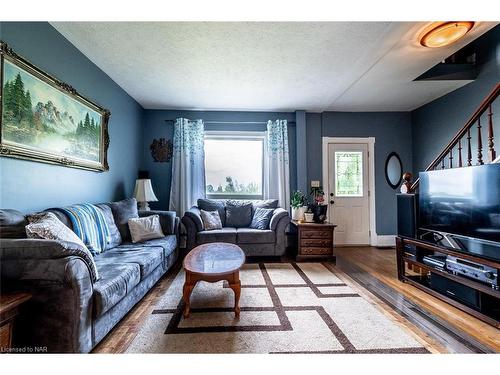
9, 309
314, 241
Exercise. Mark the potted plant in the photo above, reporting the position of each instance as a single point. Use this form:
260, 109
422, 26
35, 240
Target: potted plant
297, 202
318, 206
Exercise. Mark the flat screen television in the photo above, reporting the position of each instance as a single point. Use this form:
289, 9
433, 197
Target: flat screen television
463, 201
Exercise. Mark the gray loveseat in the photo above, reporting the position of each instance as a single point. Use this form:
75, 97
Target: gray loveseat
254, 242
69, 311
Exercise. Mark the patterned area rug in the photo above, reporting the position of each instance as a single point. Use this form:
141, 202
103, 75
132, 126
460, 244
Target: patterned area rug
285, 308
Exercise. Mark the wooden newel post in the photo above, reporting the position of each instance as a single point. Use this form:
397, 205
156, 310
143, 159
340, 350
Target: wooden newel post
407, 182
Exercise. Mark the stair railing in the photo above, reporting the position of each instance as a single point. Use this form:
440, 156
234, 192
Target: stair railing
446, 157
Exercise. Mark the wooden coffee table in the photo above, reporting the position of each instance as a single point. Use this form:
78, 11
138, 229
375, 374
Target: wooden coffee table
213, 262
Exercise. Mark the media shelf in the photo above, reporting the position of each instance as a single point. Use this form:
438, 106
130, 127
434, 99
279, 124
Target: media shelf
473, 297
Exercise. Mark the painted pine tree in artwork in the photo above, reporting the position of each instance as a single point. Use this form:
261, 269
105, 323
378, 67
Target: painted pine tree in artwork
18, 108
17, 102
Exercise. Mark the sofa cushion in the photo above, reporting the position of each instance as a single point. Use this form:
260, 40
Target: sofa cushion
211, 220
226, 234
115, 237
213, 205
249, 235
122, 211
147, 257
267, 203
167, 243
261, 218
12, 224
238, 213
117, 280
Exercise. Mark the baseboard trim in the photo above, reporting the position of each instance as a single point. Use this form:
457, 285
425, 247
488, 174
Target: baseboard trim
388, 240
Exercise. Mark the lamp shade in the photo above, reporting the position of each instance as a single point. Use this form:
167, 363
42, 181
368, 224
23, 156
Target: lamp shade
144, 191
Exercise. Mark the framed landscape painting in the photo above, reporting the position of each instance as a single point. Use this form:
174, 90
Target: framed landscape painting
46, 120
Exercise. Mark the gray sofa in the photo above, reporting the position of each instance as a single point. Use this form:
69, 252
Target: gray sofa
69, 312
254, 242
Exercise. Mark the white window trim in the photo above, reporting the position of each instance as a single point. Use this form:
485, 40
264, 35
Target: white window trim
370, 141
249, 135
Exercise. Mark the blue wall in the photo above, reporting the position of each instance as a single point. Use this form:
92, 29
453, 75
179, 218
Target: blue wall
435, 124
27, 185
392, 132
155, 126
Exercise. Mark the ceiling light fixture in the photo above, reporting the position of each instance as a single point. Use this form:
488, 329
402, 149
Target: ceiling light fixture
445, 33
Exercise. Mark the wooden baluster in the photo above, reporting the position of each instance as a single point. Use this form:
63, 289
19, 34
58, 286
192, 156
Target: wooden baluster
491, 144
469, 151
460, 153
479, 143
442, 163
451, 157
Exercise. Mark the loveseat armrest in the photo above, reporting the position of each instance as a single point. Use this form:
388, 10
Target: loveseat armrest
193, 224
25, 250
168, 220
278, 215
279, 222
194, 214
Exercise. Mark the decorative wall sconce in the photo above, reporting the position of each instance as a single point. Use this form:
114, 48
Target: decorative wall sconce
161, 150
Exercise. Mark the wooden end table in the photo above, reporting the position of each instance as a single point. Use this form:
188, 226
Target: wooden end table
315, 241
213, 262
10, 304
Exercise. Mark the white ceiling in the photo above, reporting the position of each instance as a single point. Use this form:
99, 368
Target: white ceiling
274, 66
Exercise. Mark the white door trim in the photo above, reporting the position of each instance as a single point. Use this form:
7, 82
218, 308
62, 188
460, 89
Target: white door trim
371, 176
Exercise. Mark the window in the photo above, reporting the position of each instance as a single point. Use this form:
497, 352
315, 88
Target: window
349, 174
234, 164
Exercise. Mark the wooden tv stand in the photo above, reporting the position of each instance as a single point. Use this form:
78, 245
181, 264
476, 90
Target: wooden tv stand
412, 270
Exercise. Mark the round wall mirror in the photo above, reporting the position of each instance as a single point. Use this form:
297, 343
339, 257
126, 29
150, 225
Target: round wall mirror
393, 170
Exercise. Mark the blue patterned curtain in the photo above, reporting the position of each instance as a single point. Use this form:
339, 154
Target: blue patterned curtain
188, 165
277, 171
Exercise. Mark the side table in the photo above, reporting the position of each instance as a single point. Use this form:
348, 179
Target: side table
315, 241
10, 304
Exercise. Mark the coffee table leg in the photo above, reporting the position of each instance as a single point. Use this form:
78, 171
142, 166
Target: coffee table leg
236, 287
186, 295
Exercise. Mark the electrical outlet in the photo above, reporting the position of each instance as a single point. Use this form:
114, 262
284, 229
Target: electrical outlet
315, 184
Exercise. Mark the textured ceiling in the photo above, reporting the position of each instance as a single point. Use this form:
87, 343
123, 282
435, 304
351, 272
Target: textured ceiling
278, 66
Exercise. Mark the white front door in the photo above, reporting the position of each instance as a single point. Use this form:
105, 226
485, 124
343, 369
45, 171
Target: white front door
348, 192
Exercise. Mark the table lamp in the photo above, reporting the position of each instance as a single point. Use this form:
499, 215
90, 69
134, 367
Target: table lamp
144, 193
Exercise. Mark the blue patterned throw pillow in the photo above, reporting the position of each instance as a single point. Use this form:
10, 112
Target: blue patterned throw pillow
261, 218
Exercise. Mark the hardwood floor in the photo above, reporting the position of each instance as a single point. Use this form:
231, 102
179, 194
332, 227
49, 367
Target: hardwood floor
381, 264
441, 326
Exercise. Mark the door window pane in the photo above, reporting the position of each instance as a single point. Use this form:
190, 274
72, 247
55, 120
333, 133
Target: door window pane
349, 173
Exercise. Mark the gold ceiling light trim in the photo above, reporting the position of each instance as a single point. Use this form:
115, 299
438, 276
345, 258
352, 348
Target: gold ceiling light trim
445, 33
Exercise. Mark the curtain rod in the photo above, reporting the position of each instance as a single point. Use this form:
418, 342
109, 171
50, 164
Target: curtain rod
235, 122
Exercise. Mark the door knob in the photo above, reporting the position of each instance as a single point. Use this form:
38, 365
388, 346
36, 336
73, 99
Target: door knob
332, 201
331, 194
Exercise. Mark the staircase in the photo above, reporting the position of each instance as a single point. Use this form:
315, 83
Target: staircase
460, 147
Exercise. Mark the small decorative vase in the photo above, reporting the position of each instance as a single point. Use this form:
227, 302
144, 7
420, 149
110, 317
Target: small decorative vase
309, 217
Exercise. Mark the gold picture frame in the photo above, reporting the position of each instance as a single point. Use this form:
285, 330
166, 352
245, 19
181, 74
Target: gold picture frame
44, 119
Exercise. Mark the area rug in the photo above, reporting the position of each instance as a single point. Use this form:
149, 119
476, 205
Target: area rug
285, 308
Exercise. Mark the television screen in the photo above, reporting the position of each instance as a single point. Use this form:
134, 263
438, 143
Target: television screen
463, 201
